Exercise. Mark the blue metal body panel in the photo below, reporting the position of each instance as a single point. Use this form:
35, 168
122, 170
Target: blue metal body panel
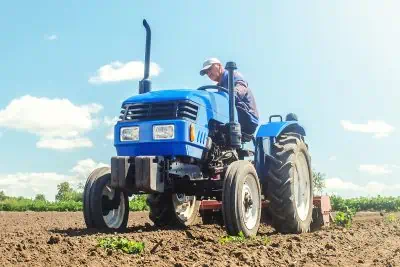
273, 129
212, 106
147, 146
265, 139
216, 104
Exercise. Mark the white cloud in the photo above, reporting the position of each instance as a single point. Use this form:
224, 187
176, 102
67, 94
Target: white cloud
64, 144
110, 135
30, 184
332, 158
378, 128
52, 37
349, 189
338, 184
110, 122
84, 167
59, 123
117, 71
375, 169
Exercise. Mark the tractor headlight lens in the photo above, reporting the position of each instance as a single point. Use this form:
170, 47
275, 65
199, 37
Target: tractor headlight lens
129, 134
161, 132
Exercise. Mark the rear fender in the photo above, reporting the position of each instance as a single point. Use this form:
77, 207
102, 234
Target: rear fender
265, 138
274, 129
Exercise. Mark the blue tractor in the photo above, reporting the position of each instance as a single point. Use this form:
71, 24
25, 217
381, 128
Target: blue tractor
181, 147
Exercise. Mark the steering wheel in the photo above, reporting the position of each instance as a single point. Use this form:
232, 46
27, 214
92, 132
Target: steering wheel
219, 88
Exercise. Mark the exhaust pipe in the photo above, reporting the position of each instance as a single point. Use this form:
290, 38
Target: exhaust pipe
145, 83
235, 132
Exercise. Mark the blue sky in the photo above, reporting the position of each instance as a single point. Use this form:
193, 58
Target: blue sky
66, 67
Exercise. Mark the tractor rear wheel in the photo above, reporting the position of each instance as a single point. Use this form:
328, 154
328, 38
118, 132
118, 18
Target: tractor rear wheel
173, 209
290, 185
241, 199
104, 207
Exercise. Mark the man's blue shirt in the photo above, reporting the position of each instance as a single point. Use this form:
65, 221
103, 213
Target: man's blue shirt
237, 77
244, 97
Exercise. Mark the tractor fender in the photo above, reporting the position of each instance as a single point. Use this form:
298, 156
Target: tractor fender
274, 129
265, 138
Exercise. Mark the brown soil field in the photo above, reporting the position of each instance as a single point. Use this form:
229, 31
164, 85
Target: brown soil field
61, 239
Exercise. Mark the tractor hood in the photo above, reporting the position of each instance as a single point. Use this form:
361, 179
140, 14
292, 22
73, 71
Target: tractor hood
210, 100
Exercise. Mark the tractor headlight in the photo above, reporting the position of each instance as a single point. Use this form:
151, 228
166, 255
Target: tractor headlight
129, 133
161, 132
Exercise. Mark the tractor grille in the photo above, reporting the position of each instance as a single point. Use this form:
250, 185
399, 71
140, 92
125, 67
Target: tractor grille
159, 111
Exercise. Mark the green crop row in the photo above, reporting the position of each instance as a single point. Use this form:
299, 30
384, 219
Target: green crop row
23, 204
138, 203
39, 205
378, 203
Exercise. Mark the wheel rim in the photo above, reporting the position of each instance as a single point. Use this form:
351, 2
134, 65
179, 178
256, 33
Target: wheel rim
250, 202
302, 190
184, 206
113, 218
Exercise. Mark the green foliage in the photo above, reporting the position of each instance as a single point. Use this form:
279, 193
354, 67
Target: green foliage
265, 240
67, 193
16, 204
138, 203
121, 244
228, 239
2, 196
390, 218
40, 197
344, 218
378, 203
318, 182
41, 204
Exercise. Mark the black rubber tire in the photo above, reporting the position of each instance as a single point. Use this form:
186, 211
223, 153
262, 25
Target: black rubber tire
226, 197
93, 201
86, 197
280, 190
237, 174
162, 211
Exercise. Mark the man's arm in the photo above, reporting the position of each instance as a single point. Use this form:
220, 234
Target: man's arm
240, 85
241, 89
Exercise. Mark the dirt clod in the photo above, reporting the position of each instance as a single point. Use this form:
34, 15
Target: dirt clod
329, 246
53, 240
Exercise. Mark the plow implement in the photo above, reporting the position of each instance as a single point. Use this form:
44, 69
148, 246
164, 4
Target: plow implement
321, 210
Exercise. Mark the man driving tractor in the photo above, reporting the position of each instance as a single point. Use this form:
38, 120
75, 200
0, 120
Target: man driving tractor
245, 102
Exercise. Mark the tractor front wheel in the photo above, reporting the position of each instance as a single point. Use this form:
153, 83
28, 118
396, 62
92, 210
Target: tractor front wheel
241, 199
104, 207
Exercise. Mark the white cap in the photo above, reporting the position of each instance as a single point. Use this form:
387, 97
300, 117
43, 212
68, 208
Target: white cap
207, 64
